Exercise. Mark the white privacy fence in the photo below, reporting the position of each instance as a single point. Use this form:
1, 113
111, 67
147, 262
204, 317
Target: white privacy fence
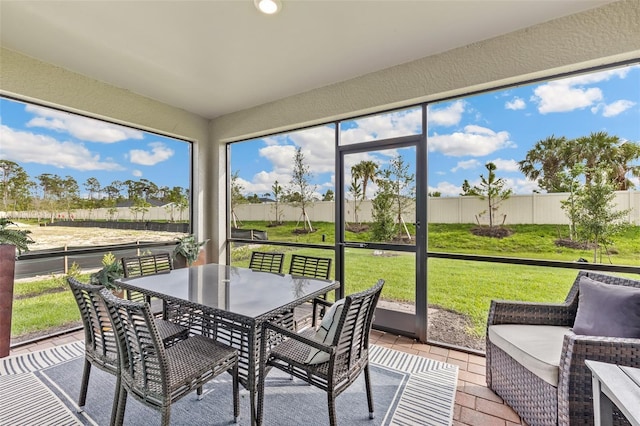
519, 209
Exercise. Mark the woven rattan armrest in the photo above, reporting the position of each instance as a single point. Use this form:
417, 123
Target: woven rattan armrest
531, 313
575, 404
270, 328
615, 350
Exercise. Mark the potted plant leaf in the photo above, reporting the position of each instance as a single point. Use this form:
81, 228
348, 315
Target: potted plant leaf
111, 270
10, 241
188, 251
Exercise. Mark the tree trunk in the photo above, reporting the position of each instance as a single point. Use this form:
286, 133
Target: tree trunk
7, 269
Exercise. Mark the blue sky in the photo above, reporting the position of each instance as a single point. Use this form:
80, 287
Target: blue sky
464, 134
43, 140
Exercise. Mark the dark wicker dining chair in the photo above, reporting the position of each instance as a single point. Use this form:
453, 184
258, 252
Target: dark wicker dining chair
312, 267
158, 376
333, 365
149, 264
136, 266
266, 261
99, 339
100, 348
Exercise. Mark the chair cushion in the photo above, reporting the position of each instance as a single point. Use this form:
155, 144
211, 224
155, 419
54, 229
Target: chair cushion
326, 332
536, 347
607, 310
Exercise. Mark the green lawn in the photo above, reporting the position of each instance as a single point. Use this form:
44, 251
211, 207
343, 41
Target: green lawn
462, 286
44, 304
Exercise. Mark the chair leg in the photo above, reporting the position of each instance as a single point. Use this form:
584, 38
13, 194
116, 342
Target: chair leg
116, 400
261, 377
331, 402
166, 414
199, 392
121, 407
236, 394
85, 384
367, 382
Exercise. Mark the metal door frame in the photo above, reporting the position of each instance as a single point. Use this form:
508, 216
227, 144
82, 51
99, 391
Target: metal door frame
412, 325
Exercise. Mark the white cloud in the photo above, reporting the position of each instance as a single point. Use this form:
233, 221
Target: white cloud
449, 116
83, 128
506, 165
446, 189
465, 165
159, 153
597, 77
136, 173
519, 186
19, 146
617, 107
318, 148
522, 186
382, 126
474, 141
570, 93
515, 104
281, 157
262, 183
557, 96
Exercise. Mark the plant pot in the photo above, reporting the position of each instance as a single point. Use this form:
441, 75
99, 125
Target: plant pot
7, 270
180, 261
202, 258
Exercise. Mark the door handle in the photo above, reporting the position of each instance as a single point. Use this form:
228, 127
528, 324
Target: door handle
355, 245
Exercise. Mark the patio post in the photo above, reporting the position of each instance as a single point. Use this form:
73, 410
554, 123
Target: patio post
7, 269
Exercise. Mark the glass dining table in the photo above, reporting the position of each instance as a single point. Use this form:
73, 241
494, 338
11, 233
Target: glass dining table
230, 304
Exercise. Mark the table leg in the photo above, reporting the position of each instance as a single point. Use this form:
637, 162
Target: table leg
602, 405
251, 376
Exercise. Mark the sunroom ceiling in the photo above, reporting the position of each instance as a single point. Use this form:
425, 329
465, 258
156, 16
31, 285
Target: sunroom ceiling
216, 57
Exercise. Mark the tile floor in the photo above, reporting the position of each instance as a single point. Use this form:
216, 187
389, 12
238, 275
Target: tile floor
475, 404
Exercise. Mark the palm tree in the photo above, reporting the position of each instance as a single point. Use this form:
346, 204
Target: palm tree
366, 171
597, 149
551, 158
622, 167
545, 162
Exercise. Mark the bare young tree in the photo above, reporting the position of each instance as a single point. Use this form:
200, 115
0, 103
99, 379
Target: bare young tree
492, 189
277, 197
236, 197
300, 188
396, 193
597, 218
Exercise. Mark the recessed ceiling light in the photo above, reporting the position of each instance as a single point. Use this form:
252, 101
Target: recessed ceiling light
268, 7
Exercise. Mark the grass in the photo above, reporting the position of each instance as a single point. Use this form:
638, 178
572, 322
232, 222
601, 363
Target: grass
462, 286
43, 304
527, 241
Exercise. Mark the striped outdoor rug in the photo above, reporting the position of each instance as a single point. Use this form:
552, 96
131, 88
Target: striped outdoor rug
427, 397
25, 400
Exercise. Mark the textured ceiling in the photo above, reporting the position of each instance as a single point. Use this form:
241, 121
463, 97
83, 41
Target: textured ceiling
216, 57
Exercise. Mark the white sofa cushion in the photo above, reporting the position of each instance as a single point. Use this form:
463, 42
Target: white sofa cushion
326, 332
536, 347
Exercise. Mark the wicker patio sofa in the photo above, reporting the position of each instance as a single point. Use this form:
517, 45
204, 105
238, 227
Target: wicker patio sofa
535, 361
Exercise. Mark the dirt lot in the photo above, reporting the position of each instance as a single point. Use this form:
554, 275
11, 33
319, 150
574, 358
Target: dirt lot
46, 237
444, 326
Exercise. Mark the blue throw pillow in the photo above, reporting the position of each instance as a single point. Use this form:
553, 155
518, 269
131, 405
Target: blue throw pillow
607, 310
